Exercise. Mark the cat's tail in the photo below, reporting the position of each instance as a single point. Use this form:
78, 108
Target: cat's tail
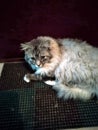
68, 92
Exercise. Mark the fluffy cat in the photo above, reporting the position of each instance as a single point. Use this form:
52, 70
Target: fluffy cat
72, 62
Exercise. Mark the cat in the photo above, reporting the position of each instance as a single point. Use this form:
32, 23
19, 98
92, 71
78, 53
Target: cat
73, 63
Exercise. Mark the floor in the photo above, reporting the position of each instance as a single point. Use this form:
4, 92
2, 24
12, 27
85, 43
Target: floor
91, 128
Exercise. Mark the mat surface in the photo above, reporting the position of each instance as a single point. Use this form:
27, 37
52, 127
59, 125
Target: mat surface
34, 105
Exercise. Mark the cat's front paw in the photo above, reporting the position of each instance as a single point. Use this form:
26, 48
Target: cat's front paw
27, 78
41, 71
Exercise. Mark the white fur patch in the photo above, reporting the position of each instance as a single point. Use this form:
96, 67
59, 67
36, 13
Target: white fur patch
26, 79
50, 82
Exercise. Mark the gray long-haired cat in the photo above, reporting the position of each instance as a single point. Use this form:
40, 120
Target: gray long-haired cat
73, 63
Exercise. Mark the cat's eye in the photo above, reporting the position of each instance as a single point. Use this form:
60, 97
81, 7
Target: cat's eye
33, 58
43, 57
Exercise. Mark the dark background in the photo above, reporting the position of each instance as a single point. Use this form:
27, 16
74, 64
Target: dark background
23, 20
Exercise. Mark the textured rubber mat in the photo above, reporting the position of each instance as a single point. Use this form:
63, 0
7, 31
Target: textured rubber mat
34, 105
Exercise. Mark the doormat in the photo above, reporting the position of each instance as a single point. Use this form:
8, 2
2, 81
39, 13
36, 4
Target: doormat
35, 106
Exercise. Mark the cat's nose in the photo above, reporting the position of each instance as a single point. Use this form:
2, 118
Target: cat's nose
38, 62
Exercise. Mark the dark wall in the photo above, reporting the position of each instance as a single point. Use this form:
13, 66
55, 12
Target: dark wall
23, 20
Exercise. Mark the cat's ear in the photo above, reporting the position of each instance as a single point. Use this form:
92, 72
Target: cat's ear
25, 46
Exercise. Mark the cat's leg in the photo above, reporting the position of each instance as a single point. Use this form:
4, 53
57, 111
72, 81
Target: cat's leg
48, 80
28, 77
68, 92
45, 72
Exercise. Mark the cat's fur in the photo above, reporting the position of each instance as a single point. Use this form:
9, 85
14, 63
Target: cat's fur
74, 64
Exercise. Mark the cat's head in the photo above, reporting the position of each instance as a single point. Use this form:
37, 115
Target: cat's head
42, 50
